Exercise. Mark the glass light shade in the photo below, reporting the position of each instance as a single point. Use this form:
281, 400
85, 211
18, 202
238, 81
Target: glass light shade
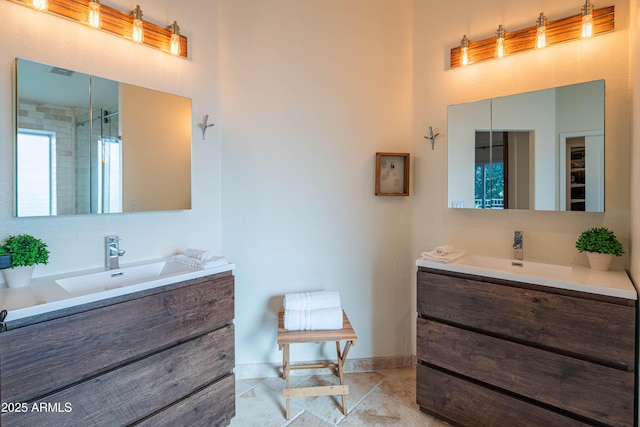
174, 43
137, 30
95, 20
41, 5
464, 51
464, 58
587, 20
541, 31
587, 26
500, 48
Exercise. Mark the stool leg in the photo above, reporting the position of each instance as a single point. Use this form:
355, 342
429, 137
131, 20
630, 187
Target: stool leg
341, 374
287, 375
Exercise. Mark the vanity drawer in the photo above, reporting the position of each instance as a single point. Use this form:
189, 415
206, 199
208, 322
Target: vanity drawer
590, 390
596, 329
40, 358
198, 410
137, 390
464, 403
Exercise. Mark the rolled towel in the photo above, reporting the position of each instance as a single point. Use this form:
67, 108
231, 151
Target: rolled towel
216, 261
318, 319
311, 300
444, 250
201, 254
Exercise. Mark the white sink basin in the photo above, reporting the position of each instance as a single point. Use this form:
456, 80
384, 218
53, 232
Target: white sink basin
613, 283
527, 268
118, 278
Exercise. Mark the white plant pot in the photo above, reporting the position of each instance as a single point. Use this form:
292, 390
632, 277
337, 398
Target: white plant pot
18, 277
598, 261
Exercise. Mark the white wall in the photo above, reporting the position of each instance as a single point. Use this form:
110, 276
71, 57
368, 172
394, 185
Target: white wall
311, 90
77, 242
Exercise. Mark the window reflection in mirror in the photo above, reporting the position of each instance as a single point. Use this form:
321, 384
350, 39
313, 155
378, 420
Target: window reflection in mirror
109, 147
514, 152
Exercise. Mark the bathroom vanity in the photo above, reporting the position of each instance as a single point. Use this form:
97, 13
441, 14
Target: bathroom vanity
495, 349
148, 355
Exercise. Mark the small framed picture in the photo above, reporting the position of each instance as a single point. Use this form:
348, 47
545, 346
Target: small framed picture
392, 174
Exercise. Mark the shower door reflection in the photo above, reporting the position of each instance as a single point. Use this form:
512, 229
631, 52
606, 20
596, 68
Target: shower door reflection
110, 177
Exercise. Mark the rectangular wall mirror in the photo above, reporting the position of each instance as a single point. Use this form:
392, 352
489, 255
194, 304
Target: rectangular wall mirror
86, 145
541, 150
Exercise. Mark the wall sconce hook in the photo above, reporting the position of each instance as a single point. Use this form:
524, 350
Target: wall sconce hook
204, 125
432, 137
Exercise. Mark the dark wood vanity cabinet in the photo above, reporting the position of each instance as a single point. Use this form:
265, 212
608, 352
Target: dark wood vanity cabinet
494, 352
164, 356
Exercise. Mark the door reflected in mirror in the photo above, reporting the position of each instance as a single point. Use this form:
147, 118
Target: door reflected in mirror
86, 144
540, 150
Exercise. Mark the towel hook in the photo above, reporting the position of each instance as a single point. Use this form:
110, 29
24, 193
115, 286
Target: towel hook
432, 137
204, 125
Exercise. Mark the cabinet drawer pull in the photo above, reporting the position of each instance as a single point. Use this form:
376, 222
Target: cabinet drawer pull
3, 315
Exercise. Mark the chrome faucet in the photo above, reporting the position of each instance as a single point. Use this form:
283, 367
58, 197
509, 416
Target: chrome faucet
113, 252
517, 245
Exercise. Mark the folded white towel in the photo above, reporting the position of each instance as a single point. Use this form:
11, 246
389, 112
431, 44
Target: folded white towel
201, 254
444, 250
433, 256
216, 261
311, 300
318, 319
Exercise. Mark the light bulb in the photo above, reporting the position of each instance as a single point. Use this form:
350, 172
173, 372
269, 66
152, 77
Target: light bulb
500, 49
137, 31
95, 20
541, 32
174, 45
41, 5
587, 20
464, 51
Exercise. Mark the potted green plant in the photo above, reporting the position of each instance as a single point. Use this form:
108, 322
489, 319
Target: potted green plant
26, 251
600, 244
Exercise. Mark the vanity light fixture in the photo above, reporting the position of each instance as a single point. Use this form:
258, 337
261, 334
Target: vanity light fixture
113, 21
464, 51
587, 20
541, 31
558, 31
41, 5
500, 49
137, 30
174, 45
95, 20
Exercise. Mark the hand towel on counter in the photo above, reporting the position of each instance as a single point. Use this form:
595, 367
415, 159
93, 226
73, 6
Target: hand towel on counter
444, 250
216, 261
201, 254
433, 256
311, 300
318, 319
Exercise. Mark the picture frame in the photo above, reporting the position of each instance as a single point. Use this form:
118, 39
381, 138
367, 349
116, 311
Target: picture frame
392, 174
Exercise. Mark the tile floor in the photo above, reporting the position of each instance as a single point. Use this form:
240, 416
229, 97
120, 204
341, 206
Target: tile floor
379, 398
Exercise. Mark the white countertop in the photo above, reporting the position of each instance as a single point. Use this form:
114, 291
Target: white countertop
45, 295
615, 283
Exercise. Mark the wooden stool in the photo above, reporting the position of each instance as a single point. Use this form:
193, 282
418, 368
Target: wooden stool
286, 337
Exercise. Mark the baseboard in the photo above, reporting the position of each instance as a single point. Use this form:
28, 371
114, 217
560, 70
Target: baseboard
267, 370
